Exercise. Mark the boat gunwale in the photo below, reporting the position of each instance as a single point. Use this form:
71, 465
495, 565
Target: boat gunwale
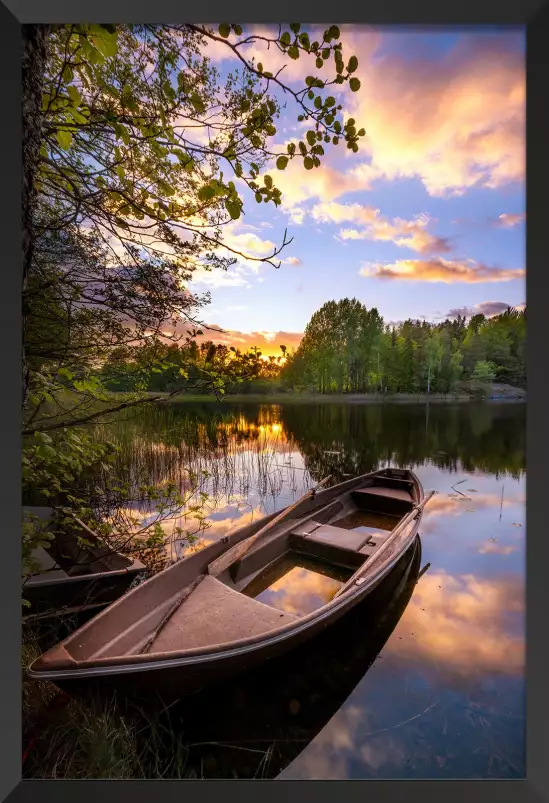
135, 566
105, 667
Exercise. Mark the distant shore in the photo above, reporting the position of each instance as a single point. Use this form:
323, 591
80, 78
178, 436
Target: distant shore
509, 395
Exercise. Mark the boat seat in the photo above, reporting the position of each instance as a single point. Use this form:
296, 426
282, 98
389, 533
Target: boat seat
338, 537
381, 490
332, 544
214, 614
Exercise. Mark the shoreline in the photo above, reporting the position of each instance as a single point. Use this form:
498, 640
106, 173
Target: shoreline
340, 398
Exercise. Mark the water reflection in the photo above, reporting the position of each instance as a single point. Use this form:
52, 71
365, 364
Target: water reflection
297, 584
445, 698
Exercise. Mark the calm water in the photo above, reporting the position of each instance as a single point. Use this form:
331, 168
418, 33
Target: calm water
426, 683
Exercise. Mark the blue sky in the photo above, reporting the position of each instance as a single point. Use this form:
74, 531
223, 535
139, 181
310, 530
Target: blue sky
427, 218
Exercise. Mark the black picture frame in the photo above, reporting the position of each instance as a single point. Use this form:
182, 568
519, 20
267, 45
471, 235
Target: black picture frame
530, 13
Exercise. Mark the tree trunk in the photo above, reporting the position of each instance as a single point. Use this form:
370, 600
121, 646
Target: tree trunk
33, 66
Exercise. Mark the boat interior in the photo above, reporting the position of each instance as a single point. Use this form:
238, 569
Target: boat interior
187, 608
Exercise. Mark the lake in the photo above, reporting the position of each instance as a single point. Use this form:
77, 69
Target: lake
430, 684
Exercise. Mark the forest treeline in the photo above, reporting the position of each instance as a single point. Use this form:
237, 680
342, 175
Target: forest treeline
347, 348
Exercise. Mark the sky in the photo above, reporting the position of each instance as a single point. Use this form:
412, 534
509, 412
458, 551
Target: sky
427, 220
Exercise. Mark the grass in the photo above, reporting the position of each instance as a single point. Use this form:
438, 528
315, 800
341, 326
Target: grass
105, 738
72, 738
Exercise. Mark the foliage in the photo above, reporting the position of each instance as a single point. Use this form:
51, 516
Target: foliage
144, 142
347, 348
147, 155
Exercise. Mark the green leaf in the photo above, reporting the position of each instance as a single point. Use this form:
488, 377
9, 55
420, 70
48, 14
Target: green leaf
354, 84
233, 209
64, 138
268, 181
308, 163
67, 74
318, 102
311, 137
293, 52
224, 30
197, 102
295, 26
258, 197
206, 193
281, 162
106, 44
352, 66
361, 132
74, 95
259, 66
285, 39
319, 63
237, 29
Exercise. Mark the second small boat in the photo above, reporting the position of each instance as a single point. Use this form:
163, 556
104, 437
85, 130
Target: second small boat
213, 614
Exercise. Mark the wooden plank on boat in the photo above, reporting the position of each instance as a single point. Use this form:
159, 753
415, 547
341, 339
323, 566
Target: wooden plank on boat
238, 551
171, 610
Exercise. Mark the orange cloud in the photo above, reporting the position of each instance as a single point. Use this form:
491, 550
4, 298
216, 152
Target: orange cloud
268, 342
299, 185
441, 270
497, 549
454, 124
405, 233
507, 221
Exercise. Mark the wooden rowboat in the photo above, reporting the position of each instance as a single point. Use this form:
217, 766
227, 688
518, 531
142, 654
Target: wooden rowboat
73, 578
202, 618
